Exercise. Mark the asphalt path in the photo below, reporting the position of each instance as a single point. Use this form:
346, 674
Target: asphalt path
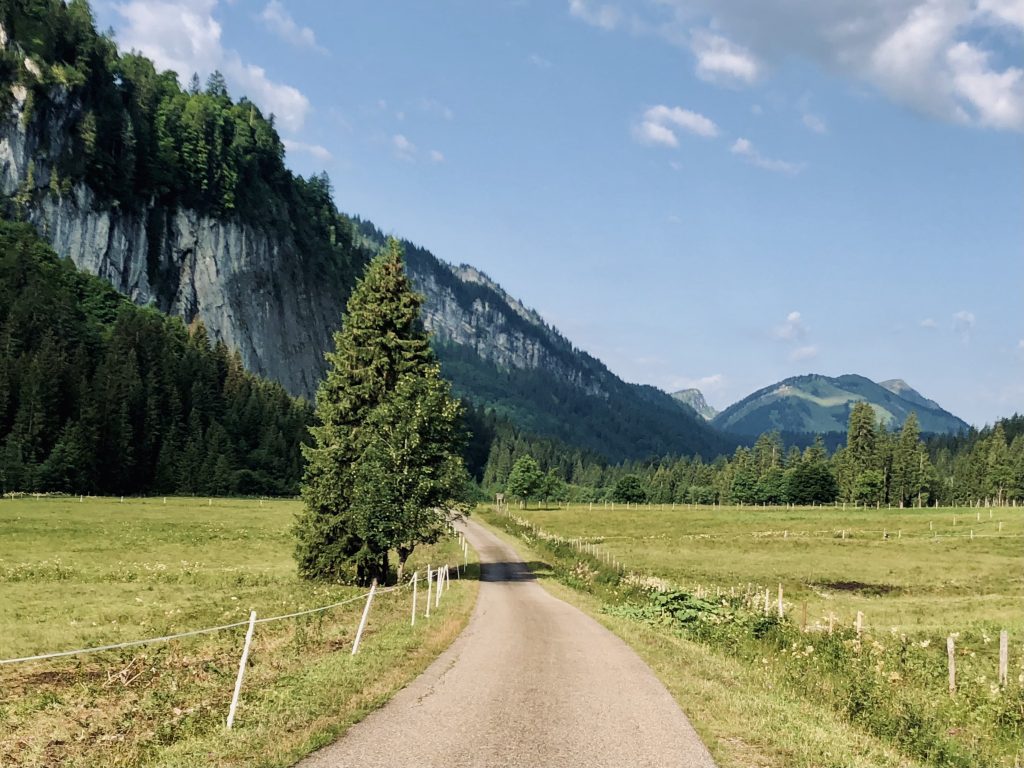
532, 682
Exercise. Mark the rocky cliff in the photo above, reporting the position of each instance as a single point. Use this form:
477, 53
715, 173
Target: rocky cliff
254, 292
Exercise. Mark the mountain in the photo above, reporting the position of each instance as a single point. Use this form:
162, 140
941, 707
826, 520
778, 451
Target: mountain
901, 388
695, 399
180, 199
815, 404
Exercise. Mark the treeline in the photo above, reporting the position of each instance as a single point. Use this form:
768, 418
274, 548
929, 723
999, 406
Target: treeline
874, 467
98, 395
138, 140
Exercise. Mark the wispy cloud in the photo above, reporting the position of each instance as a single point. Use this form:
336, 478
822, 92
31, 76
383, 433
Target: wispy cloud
539, 61
435, 156
943, 58
745, 148
706, 384
791, 330
184, 36
929, 323
660, 123
403, 148
963, 324
596, 14
721, 61
320, 153
814, 123
277, 19
435, 108
808, 352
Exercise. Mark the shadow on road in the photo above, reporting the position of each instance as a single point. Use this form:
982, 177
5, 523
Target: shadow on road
517, 571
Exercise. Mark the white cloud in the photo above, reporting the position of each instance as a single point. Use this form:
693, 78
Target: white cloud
277, 19
595, 14
808, 352
814, 123
721, 61
183, 35
792, 329
963, 324
929, 323
1020, 345
289, 104
538, 61
996, 98
659, 124
436, 156
957, 60
404, 149
744, 148
320, 153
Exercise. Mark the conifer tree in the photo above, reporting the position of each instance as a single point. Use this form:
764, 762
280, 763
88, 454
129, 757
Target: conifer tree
384, 465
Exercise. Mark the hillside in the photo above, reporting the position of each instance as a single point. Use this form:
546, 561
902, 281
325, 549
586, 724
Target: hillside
498, 353
694, 398
815, 404
180, 199
98, 395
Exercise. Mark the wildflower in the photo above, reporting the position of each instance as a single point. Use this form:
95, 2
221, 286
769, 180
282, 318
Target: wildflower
925, 643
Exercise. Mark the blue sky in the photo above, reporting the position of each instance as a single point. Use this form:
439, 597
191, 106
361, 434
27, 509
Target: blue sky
712, 194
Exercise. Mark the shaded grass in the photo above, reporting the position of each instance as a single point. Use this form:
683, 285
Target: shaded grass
75, 575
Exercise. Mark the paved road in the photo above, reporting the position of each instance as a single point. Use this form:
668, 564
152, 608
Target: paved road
531, 682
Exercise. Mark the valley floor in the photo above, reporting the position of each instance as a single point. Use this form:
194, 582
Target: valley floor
80, 574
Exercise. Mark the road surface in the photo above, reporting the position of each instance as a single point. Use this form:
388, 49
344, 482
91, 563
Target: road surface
531, 682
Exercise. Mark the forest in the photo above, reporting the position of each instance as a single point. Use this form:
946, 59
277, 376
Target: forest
98, 395
875, 467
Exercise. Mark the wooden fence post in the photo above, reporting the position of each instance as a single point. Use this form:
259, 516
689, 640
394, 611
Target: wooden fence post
780, 601
860, 623
241, 669
366, 615
429, 587
415, 584
1004, 657
951, 656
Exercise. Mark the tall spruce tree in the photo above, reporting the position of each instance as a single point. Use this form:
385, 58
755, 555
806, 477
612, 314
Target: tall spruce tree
384, 468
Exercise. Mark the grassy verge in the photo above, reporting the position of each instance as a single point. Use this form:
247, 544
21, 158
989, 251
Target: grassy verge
759, 700
74, 575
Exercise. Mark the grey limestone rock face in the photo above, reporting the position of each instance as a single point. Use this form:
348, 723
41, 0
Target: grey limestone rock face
254, 292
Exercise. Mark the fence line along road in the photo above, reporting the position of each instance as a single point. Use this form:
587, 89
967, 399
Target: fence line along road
195, 632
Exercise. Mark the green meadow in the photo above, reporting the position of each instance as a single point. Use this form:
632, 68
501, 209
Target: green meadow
915, 569
77, 574
686, 586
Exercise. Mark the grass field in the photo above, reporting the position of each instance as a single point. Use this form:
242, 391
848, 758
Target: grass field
927, 574
763, 691
79, 574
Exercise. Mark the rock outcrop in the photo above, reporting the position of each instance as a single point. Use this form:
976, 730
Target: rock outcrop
254, 292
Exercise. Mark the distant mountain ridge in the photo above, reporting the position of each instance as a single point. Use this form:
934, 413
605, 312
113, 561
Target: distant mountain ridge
816, 404
694, 398
500, 354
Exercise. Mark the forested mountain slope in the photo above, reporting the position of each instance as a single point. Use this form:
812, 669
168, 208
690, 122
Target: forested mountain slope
181, 199
815, 404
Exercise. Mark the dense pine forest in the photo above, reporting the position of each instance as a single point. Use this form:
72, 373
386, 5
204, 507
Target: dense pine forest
98, 395
875, 467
